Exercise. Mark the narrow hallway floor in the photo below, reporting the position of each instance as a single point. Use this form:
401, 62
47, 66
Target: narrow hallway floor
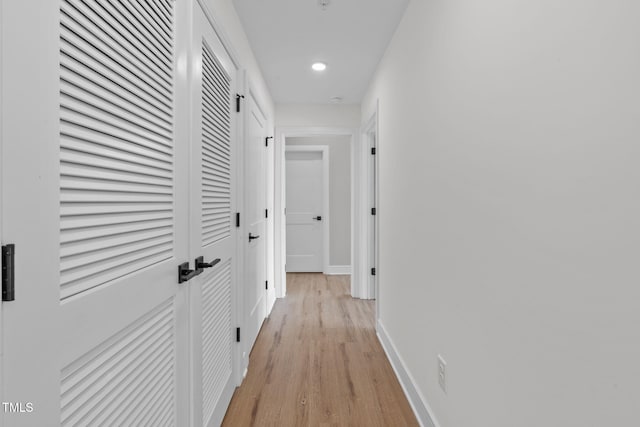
317, 362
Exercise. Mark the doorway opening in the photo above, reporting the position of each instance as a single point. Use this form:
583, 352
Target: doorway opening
332, 221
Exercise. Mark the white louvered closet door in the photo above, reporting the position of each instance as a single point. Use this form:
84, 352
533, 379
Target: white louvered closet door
122, 224
212, 225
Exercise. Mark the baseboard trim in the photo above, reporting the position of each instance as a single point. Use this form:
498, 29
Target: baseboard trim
338, 269
421, 408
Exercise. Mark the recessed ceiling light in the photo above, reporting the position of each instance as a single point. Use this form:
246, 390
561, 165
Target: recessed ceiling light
319, 66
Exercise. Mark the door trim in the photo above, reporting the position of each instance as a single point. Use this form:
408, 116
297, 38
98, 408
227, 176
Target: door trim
326, 219
282, 133
370, 138
243, 313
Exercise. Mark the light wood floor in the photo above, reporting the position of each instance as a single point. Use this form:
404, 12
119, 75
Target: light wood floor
318, 362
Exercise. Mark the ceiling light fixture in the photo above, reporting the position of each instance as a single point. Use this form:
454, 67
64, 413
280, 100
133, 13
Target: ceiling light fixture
323, 4
319, 66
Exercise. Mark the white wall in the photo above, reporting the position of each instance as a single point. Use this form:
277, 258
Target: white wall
509, 154
225, 14
339, 194
317, 115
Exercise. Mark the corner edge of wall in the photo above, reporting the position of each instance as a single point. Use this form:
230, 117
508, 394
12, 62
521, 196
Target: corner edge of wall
421, 408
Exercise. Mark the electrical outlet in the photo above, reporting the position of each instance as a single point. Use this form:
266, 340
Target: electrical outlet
442, 373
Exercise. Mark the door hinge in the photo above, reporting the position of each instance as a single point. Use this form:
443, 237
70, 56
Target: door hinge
8, 272
237, 219
266, 141
238, 97
373, 151
237, 334
373, 271
266, 284
266, 213
373, 211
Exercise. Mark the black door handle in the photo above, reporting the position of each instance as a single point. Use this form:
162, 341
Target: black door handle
317, 218
252, 237
184, 274
200, 264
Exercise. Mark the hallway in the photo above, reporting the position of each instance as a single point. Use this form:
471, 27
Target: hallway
317, 361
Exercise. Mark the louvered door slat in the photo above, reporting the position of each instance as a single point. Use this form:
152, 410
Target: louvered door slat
123, 33
158, 15
116, 156
216, 150
88, 112
151, 28
135, 366
112, 44
70, 222
118, 176
107, 99
97, 155
216, 337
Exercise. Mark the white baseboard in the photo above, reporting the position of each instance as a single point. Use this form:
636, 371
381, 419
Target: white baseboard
338, 269
418, 403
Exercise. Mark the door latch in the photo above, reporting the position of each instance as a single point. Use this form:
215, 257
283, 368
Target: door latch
185, 274
252, 237
8, 273
317, 218
200, 264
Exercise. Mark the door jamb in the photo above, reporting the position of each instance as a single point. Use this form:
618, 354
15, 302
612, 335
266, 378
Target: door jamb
326, 217
367, 180
282, 133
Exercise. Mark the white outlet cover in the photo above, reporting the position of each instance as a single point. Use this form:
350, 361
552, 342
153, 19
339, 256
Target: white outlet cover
442, 373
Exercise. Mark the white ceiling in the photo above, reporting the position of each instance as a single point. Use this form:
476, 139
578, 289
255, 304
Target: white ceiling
287, 36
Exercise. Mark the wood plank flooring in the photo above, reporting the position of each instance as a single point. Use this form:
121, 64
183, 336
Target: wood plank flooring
317, 362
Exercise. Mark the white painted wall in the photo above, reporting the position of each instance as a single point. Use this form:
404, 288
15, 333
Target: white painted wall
318, 115
225, 14
339, 194
510, 208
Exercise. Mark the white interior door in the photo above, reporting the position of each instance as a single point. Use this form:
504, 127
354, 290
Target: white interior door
123, 216
212, 229
255, 294
98, 328
306, 213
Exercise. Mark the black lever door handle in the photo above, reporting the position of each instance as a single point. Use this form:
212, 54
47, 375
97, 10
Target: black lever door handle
252, 237
200, 264
184, 274
317, 218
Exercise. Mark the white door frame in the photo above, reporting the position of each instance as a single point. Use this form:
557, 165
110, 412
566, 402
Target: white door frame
369, 127
282, 133
245, 347
326, 218
369, 235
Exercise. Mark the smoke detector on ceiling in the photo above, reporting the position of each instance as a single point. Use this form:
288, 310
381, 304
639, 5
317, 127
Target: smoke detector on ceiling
323, 4
336, 100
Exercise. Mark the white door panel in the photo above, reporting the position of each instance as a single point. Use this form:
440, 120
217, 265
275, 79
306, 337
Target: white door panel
304, 192
255, 293
98, 329
212, 234
121, 309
